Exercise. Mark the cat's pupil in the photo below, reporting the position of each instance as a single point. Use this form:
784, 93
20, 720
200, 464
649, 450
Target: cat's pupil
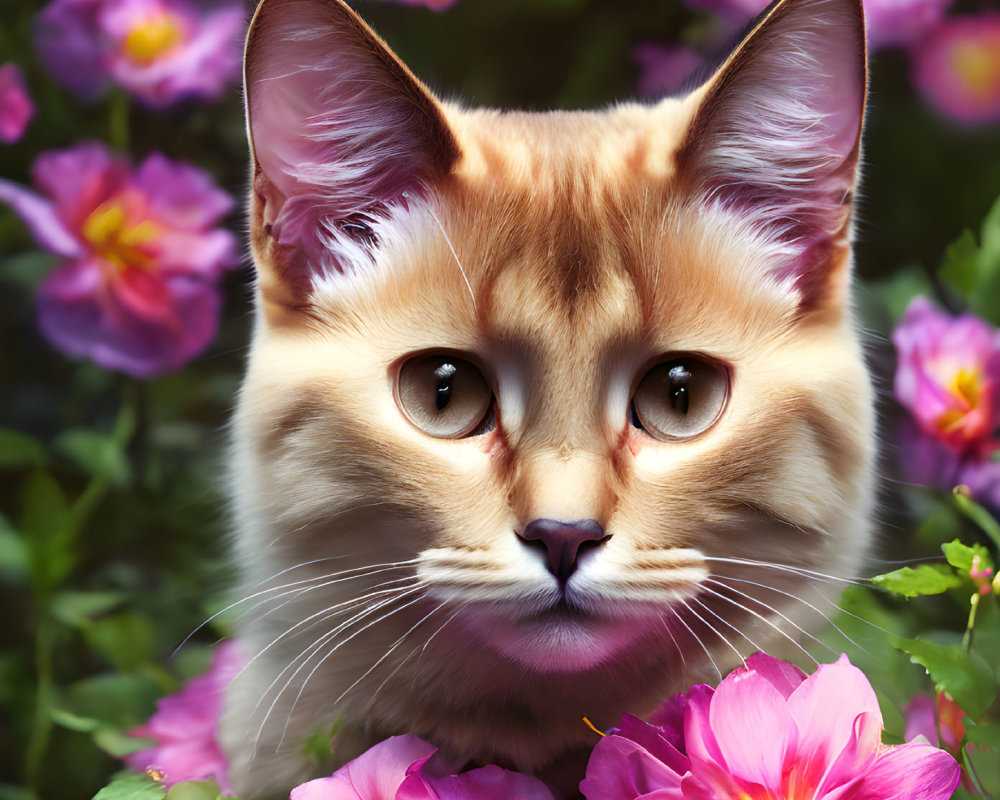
444, 374
680, 397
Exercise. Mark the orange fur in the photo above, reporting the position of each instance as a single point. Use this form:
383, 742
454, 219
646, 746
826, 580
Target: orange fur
564, 253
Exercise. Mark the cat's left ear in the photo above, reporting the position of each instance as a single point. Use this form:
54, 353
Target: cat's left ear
776, 135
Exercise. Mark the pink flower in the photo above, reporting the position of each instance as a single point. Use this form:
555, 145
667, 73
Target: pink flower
902, 22
663, 68
403, 768
184, 727
957, 67
161, 51
137, 290
889, 22
948, 377
770, 733
924, 714
16, 109
927, 461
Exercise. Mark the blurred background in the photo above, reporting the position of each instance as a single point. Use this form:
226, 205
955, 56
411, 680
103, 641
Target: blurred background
112, 431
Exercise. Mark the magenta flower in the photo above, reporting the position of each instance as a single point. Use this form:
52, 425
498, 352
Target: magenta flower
662, 68
889, 22
770, 733
184, 727
16, 108
403, 768
957, 67
924, 715
948, 377
902, 22
137, 290
161, 51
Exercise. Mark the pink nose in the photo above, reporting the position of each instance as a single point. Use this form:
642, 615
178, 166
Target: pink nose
562, 542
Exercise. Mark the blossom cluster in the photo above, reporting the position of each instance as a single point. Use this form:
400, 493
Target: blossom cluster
955, 60
817, 736
948, 379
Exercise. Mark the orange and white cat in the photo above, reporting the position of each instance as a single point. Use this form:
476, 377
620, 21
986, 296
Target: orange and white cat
546, 414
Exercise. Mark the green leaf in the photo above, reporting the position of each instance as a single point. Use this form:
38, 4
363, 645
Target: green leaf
76, 609
47, 526
960, 267
922, 580
74, 722
983, 735
20, 450
979, 515
126, 640
95, 453
897, 290
989, 252
119, 701
318, 747
119, 744
194, 790
131, 787
968, 679
15, 561
960, 555
9, 792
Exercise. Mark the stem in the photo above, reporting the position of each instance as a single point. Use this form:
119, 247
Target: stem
118, 119
80, 511
41, 726
970, 625
973, 775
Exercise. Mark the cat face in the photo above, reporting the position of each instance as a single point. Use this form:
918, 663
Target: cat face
545, 413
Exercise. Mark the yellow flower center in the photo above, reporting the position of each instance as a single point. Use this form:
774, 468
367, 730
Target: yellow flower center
978, 66
117, 240
966, 387
152, 37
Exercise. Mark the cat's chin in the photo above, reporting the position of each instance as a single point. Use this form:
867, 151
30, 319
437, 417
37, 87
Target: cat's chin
559, 640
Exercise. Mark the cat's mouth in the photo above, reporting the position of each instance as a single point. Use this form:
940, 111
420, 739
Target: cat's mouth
564, 610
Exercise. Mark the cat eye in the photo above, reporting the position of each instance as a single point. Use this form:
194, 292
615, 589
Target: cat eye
680, 398
445, 396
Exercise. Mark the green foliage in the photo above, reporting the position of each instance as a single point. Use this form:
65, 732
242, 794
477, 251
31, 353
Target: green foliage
922, 580
132, 787
973, 269
965, 676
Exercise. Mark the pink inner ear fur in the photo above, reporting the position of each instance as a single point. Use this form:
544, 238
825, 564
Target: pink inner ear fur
338, 129
777, 138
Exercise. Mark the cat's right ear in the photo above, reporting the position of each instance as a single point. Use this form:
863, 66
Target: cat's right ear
341, 133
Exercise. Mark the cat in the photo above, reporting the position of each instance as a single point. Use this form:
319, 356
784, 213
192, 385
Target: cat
546, 414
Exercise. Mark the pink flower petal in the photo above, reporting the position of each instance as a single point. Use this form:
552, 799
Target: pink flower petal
79, 179
336, 787
181, 195
746, 701
16, 108
825, 707
921, 719
632, 763
781, 675
486, 783
911, 772
377, 773
41, 219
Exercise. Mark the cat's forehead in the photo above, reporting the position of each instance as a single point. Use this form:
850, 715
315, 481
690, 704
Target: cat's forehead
564, 232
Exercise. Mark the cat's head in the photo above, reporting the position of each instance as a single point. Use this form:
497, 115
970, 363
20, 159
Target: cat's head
565, 377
